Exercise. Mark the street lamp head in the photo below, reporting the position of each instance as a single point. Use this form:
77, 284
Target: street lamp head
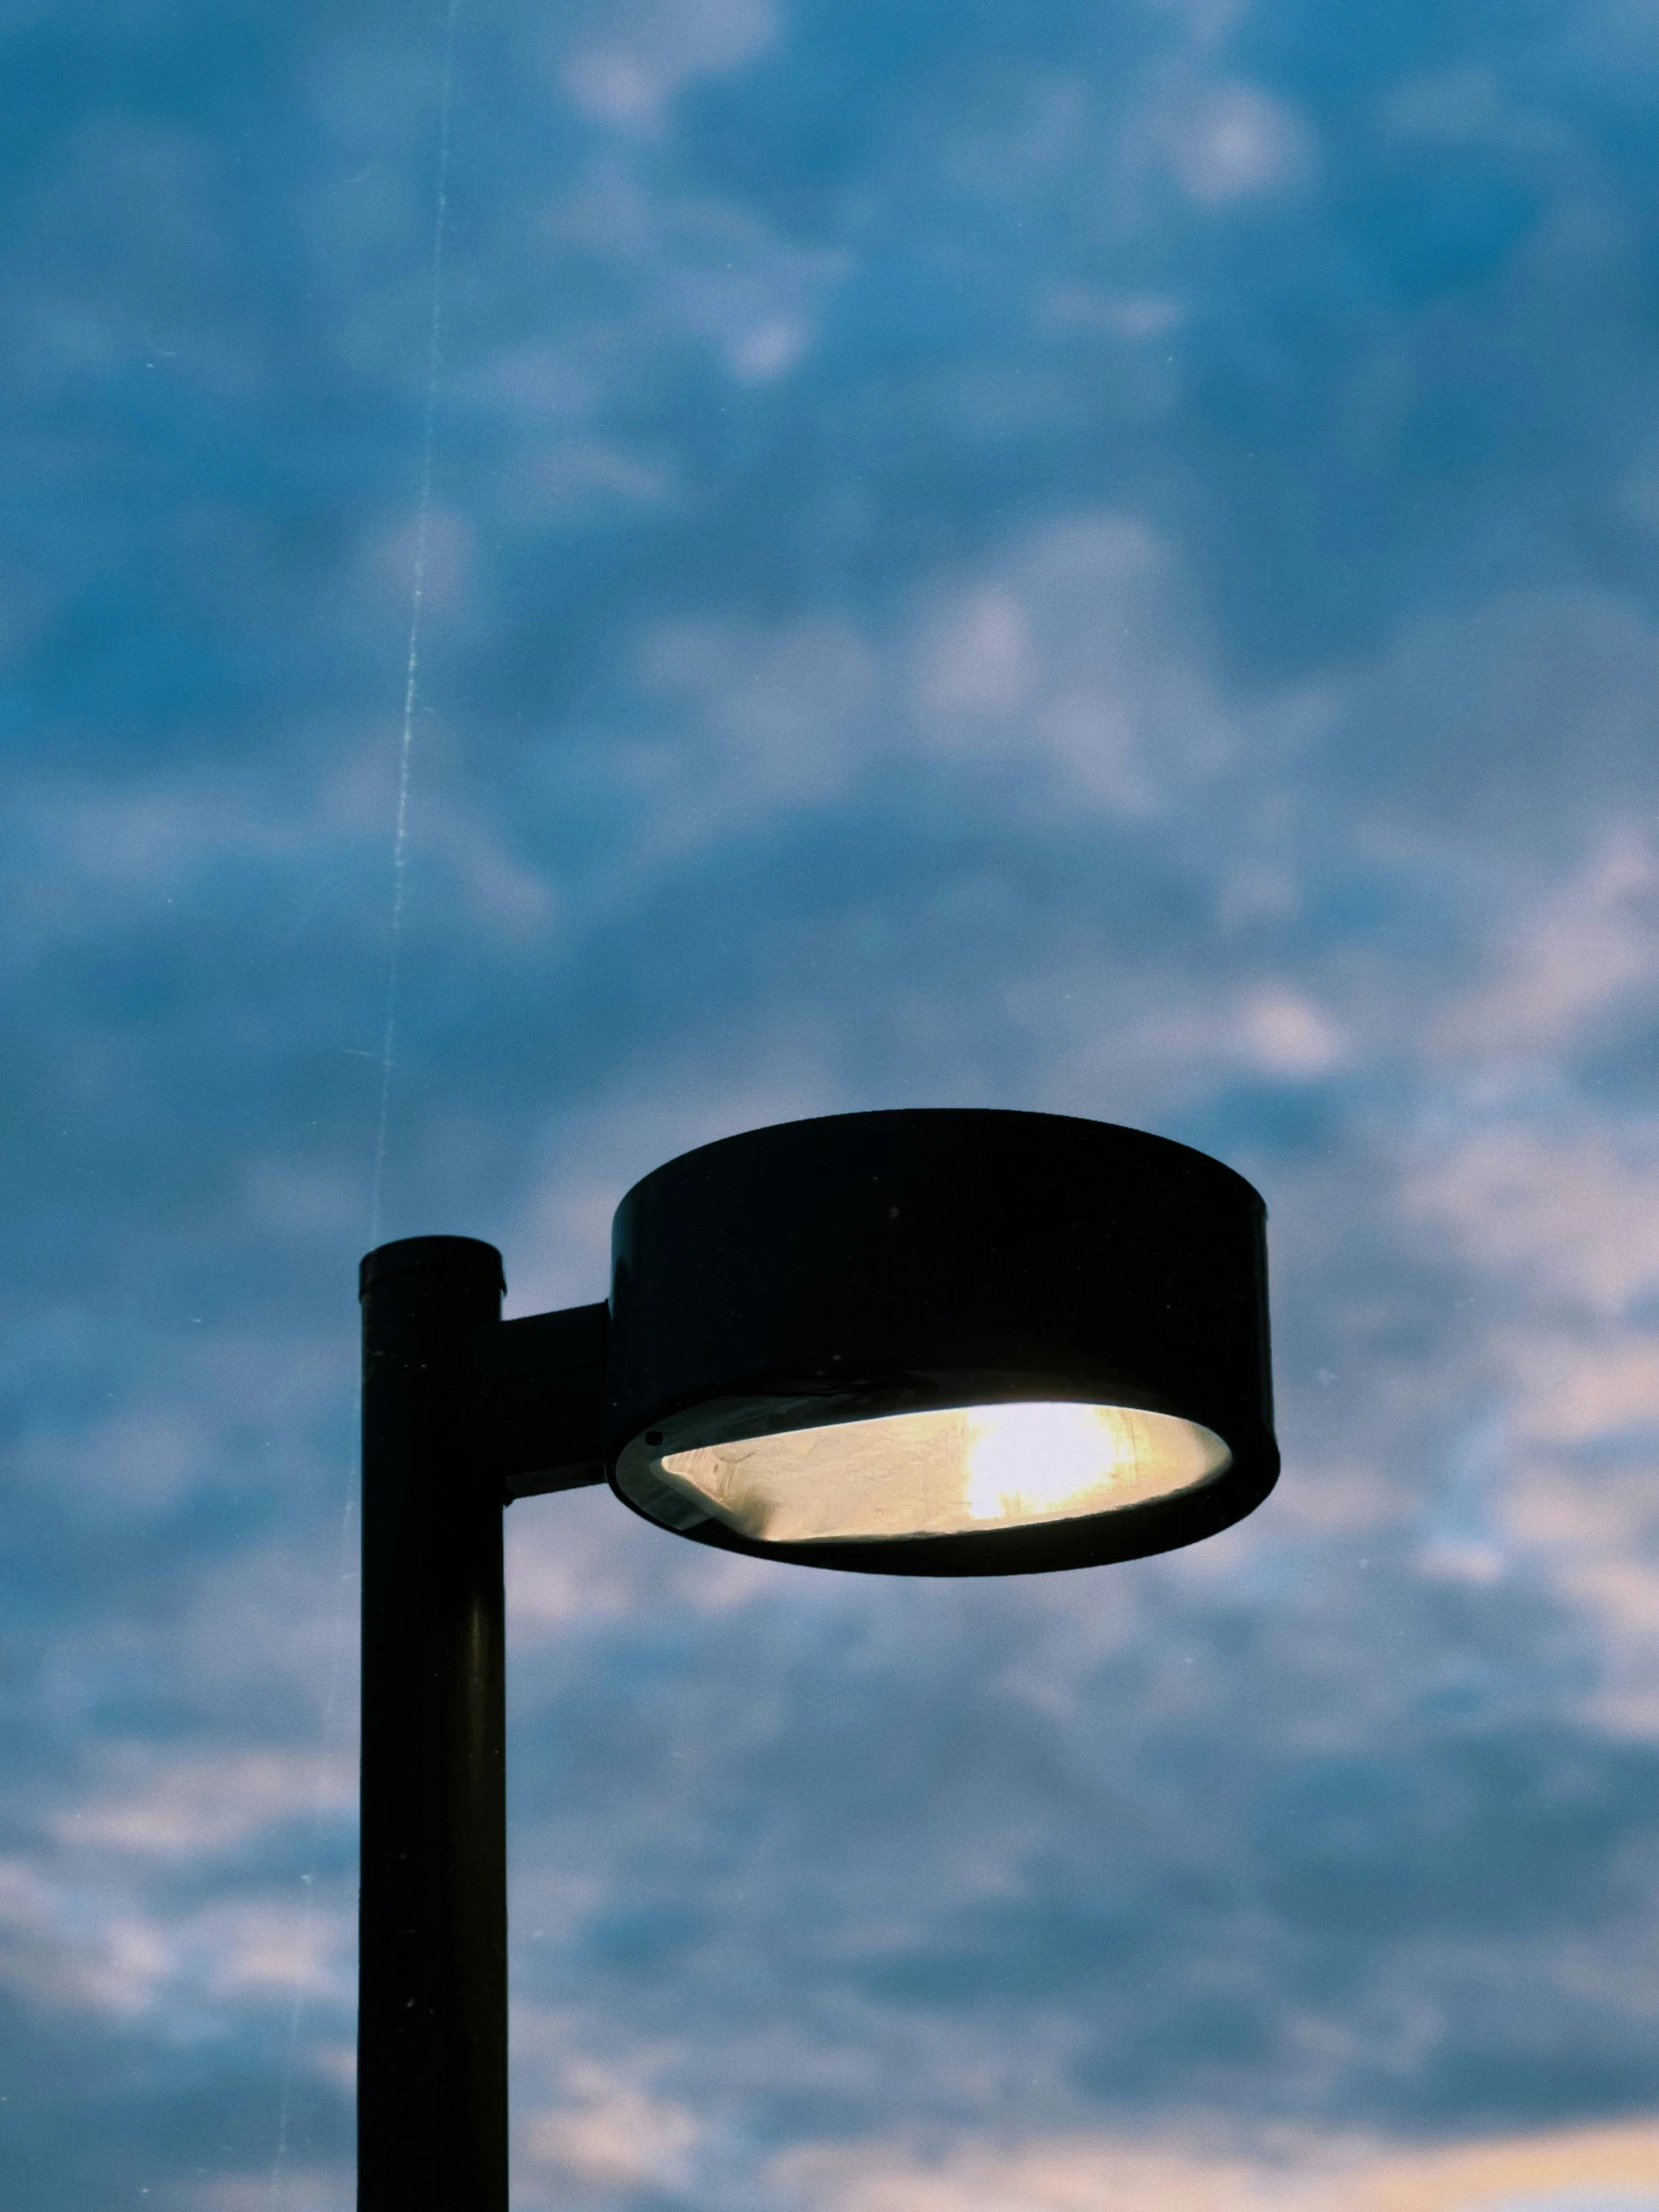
941, 1342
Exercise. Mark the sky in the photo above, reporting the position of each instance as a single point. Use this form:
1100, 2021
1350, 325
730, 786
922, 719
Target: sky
1096, 557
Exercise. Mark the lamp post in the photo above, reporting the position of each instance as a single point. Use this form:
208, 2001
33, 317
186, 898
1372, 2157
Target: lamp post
935, 1341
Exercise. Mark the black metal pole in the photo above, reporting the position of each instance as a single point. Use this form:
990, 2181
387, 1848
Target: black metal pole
432, 1986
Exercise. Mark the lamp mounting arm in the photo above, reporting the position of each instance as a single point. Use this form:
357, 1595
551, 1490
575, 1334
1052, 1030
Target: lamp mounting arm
537, 1388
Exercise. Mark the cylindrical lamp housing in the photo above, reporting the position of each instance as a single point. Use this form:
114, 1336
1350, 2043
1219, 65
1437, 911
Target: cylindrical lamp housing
863, 1265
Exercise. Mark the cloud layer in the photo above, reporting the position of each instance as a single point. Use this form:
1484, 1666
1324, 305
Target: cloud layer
1099, 562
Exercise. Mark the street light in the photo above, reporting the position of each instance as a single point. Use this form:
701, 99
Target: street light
937, 1342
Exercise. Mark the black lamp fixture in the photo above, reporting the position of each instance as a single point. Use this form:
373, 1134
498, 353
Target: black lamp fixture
936, 1342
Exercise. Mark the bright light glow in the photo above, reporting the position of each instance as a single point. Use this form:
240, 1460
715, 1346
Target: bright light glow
944, 1473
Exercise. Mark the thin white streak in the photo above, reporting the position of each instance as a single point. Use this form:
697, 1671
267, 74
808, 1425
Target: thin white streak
343, 1577
417, 604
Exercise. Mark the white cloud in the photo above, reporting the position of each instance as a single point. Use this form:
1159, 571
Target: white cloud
769, 349
273, 1949
1591, 941
278, 1615
1566, 1211
197, 1966
109, 857
608, 2132
1560, 1220
1287, 1034
1571, 2171
563, 1567
654, 49
78, 1944
784, 705
556, 481
154, 1802
979, 660
1067, 660
1070, 657
1235, 141
196, 1407
438, 543
685, 268
1469, 106
136, 1462
299, 2185
1036, 130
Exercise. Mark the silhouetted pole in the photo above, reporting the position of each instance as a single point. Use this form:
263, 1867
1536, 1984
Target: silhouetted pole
432, 1986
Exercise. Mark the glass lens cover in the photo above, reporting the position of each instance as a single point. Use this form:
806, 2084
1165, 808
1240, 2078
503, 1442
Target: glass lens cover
941, 1473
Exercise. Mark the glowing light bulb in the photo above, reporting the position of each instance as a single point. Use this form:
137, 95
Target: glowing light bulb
944, 1473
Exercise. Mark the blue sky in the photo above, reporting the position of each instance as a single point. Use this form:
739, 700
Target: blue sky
1097, 558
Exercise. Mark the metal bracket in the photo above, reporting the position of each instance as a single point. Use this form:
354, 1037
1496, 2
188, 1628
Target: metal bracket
538, 1401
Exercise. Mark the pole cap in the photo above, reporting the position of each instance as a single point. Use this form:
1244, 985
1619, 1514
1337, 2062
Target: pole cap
449, 1256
